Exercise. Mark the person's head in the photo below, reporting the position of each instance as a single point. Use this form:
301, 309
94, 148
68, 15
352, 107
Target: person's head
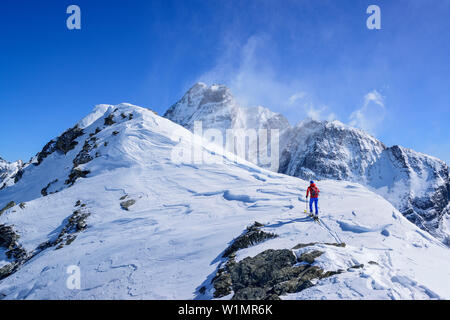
311, 182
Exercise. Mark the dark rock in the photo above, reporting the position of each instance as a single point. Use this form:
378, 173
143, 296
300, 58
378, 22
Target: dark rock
75, 224
125, 205
269, 274
250, 293
115, 133
357, 266
252, 236
7, 270
309, 257
331, 273
75, 174
82, 157
373, 263
109, 120
22, 205
222, 284
8, 237
291, 286
18, 175
8, 240
261, 270
48, 149
66, 141
8, 206
44, 190
304, 245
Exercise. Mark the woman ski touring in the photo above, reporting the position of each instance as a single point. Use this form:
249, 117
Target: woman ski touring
314, 192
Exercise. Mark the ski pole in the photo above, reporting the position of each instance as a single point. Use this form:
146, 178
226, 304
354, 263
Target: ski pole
306, 205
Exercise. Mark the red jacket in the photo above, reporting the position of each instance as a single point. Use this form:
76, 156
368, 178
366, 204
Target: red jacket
311, 191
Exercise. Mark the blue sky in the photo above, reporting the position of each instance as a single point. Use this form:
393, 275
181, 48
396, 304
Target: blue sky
302, 58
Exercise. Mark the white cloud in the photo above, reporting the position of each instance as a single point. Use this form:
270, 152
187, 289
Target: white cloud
247, 70
296, 97
320, 113
371, 114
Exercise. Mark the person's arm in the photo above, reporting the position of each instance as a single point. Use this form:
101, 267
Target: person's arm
307, 192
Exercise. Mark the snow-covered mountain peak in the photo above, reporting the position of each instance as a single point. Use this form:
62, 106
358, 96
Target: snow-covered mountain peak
215, 104
216, 107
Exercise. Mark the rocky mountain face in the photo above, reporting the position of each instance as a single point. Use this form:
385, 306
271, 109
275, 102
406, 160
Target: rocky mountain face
10, 172
417, 184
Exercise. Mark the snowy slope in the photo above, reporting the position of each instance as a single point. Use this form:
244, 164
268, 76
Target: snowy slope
169, 243
416, 184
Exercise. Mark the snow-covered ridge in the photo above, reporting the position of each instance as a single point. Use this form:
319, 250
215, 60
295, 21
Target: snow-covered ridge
417, 184
140, 226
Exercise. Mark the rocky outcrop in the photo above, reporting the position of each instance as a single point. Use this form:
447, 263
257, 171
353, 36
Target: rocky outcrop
253, 235
66, 141
109, 120
84, 155
125, 205
14, 251
75, 174
74, 224
44, 191
8, 206
63, 144
271, 273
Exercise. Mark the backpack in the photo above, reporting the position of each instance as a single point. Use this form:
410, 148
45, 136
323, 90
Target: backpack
314, 192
